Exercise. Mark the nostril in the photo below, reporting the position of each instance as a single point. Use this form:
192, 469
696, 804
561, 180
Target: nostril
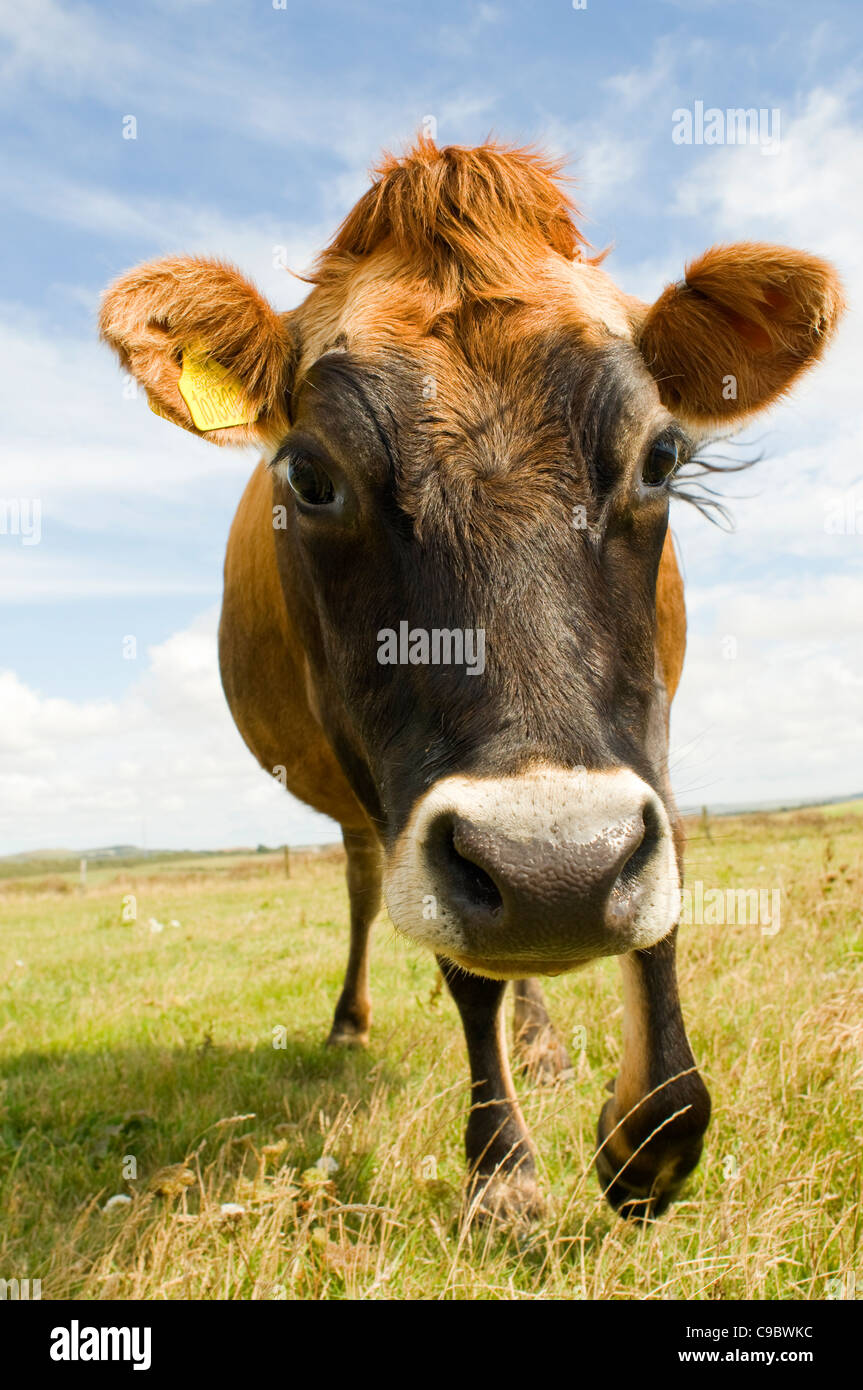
469, 882
469, 886
632, 871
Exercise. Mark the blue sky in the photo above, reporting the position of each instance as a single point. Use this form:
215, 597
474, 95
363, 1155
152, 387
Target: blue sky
256, 127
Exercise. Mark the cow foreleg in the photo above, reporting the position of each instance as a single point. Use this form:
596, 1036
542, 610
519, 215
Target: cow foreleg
501, 1169
650, 1132
353, 1014
542, 1055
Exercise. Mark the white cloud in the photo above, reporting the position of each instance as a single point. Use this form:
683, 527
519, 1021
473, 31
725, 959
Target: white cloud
808, 188
165, 226
639, 85
163, 761
808, 195
273, 98
461, 39
103, 468
34, 577
55, 44
601, 164
781, 719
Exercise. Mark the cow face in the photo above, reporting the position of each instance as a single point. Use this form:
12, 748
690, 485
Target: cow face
475, 527
473, 441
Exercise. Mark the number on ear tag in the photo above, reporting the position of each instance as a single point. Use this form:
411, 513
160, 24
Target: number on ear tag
215, 398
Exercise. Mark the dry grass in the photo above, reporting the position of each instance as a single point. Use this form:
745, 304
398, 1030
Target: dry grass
342, 1172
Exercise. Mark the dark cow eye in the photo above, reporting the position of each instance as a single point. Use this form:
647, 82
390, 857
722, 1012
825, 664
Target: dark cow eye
660, 462
310, 482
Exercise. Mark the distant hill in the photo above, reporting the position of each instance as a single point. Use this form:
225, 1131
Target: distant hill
58, 861
109, 852
65, 861
750, 808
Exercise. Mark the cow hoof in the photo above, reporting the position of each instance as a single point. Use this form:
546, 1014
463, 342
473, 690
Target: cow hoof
348, 1035
627, 1201
508, 1200
543, 1059
636, 1186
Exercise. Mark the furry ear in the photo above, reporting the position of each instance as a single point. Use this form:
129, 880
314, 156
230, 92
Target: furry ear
739, 330
202, 319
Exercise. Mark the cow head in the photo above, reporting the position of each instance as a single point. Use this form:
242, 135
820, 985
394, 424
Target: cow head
473, 437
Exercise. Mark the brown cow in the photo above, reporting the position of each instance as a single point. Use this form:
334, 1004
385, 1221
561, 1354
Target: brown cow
453, 618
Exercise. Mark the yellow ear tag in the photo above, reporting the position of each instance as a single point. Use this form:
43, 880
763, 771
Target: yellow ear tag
215, 398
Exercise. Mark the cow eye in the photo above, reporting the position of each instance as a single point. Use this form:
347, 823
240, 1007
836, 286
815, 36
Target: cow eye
310, 482
660, 462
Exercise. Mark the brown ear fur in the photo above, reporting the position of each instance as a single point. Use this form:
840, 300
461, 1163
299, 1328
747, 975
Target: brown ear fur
154, 311
758, 314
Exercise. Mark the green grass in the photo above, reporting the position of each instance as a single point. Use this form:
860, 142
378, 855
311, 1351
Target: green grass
119, 1043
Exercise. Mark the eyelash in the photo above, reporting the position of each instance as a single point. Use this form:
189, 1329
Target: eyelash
695, 467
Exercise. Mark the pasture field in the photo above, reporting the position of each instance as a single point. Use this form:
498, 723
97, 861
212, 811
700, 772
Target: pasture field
300, 1172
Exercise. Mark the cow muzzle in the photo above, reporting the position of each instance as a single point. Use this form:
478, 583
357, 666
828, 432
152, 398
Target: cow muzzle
535, 874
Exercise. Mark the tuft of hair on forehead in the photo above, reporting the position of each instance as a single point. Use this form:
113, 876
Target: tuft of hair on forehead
465, 219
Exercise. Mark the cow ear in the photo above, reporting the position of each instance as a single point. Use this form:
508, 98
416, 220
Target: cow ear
739, 330
211, 353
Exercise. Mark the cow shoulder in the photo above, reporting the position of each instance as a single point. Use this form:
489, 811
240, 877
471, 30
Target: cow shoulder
264, 669
670, 618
